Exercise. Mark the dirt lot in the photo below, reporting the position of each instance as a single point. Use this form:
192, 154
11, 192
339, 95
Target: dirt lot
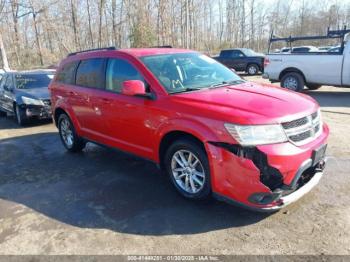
107, 202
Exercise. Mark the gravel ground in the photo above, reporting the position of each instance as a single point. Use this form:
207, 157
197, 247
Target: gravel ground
108, 202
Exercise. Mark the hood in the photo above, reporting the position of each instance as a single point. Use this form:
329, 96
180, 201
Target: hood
248, 103
38, 93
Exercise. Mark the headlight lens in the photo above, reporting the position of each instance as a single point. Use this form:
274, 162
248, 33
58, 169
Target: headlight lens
32, 101
257, 134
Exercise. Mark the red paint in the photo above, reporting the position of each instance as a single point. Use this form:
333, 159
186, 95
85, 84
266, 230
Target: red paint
138, 125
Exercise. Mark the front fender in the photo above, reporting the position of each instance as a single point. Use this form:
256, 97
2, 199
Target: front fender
189, 126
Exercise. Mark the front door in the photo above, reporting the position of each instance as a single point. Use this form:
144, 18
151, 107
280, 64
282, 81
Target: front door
126, 117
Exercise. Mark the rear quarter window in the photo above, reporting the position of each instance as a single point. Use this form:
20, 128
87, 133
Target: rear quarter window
67, 73
91, 73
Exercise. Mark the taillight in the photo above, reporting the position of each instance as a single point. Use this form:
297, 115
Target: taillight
266, 61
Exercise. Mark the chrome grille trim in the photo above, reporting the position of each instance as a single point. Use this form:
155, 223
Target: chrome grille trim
303, 130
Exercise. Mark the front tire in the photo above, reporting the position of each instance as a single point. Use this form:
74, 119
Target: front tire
293, 81
20, 116
187, 165
71, 141
252, 69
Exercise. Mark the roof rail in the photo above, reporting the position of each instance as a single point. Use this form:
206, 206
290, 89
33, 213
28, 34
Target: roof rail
95, 49
162, 46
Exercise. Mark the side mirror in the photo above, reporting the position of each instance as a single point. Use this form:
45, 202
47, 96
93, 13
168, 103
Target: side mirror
134, 88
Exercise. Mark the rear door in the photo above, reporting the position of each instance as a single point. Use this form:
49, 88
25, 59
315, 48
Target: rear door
90, 83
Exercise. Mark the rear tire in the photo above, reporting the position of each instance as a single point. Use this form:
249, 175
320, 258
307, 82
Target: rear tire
293, 81
187, 166
71, 141
313, 86
252, 69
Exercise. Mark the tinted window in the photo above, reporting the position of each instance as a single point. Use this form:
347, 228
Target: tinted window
91, 73
301, 50
2, 82
67, 73
225, 53
236, 53
8, 82
118, 71
28, 81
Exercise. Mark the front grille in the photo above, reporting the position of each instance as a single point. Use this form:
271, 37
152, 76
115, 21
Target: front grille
295, 123
303, 130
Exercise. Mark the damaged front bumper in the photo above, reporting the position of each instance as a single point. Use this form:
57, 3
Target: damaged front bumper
41, 112
266, 178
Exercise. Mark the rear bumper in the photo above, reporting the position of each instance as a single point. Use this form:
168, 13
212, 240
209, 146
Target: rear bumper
243, 178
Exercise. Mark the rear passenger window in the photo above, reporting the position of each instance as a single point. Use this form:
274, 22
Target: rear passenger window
118, 71
67, 73
91, 73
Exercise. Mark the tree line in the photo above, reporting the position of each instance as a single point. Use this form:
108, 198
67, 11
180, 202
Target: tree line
37, 33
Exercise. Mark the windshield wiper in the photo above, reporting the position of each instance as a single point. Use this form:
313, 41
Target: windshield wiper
187, 89
226, 83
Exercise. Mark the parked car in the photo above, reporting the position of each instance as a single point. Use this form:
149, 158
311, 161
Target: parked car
285, 50
242, 59
304, 49
210, 131
310, 69
25, 94
335, 49
324, 48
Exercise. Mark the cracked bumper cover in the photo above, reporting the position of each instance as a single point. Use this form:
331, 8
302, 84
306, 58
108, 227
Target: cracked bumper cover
37, 111
238, 179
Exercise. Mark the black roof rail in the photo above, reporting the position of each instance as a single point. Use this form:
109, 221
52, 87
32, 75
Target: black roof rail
94, 49
162, 46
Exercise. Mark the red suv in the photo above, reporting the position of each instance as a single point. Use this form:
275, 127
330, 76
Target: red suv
210, 131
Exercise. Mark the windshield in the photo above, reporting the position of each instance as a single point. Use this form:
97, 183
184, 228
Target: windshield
28, 81
189, 71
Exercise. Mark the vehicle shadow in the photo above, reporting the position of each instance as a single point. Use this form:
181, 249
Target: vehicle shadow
9, 122
330, 98
104, 188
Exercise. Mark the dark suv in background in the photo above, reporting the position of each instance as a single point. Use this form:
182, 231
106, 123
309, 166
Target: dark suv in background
26, 95
242, 59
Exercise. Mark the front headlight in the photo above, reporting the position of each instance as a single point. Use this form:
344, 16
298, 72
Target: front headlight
32, 101
257, 134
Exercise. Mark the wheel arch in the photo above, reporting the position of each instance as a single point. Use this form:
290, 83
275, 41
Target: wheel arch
58, 111
253, 63
171, 136
291, 70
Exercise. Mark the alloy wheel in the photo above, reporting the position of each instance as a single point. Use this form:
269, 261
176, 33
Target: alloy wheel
252, 70
188, 171
67, 132
291, 83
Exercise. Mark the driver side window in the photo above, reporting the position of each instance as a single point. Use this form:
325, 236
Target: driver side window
6, 83
118, 71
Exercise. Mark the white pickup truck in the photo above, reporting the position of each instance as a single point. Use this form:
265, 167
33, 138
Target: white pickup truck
314, 69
